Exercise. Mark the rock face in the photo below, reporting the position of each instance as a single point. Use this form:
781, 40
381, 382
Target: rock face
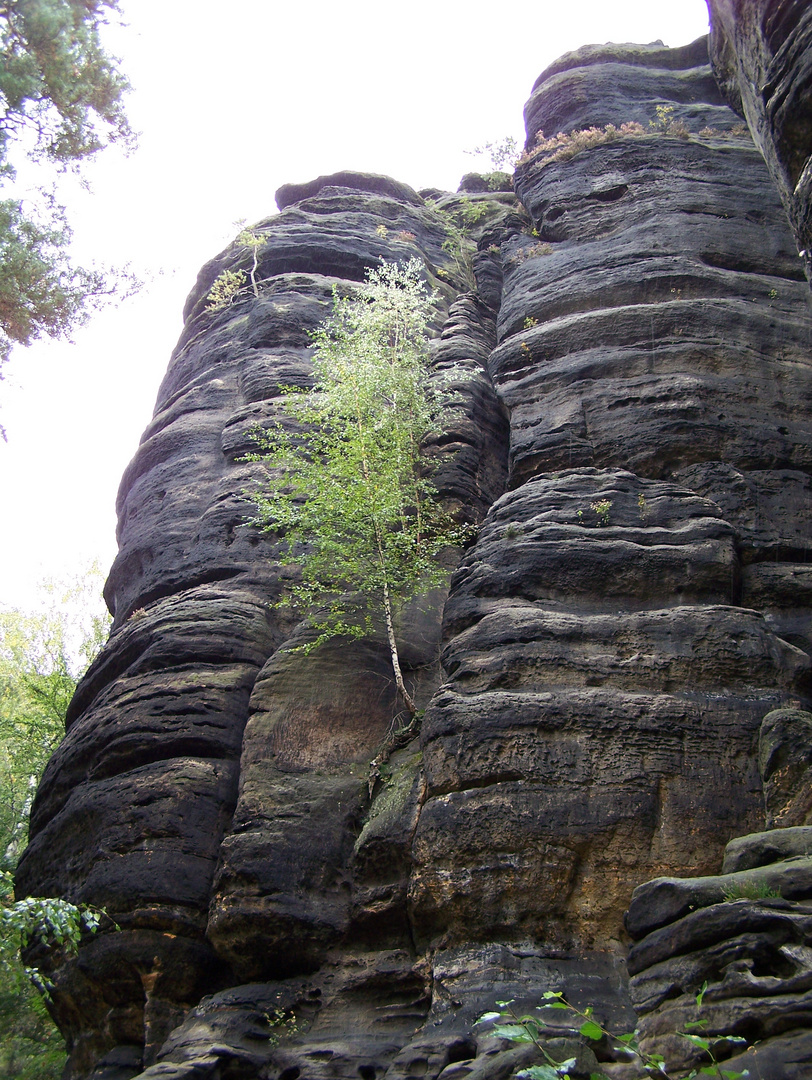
634, 440
762, 56
733, 952
746, 938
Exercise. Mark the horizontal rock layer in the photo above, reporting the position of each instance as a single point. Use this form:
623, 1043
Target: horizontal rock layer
632, 434
732, 952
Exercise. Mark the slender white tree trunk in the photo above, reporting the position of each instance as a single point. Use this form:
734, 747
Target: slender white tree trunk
408, 700
394, 738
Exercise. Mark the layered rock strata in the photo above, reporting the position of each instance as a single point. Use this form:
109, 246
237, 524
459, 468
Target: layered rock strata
633, 437
762, 57
733, 954
138, 822
729, 956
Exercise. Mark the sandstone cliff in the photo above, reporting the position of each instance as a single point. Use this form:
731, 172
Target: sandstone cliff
762, 58
634, 442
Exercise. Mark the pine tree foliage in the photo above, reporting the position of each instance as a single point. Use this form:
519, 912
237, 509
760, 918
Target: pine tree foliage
60, 103
348, 491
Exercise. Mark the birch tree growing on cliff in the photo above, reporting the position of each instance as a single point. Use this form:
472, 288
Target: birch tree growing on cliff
347, 490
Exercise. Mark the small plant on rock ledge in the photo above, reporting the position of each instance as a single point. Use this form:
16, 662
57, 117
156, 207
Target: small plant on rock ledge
601, 508
224, 288
735, 132
253, 241
459, 221
665, 124
281, 1025
227, 285
535, 251
750, 890
472, 213
563, 146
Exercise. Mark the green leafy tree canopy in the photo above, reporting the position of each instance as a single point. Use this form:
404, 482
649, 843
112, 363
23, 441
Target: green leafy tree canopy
42, 654
60, 103
347, 490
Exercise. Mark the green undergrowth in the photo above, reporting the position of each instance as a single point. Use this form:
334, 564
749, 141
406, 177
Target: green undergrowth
533, 1028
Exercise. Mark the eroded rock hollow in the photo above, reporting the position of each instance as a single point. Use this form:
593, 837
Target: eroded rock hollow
634, 444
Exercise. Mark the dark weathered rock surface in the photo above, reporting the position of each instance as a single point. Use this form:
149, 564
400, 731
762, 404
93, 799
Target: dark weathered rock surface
761, 849
734, 951
649, 253
762, 57
750, 960
579, 694
785, 761
148, 808
634, 437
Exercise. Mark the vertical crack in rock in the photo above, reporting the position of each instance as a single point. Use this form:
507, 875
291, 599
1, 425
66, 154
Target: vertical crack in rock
761, 57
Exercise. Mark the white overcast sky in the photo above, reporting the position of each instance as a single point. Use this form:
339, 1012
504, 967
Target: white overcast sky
231, 101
